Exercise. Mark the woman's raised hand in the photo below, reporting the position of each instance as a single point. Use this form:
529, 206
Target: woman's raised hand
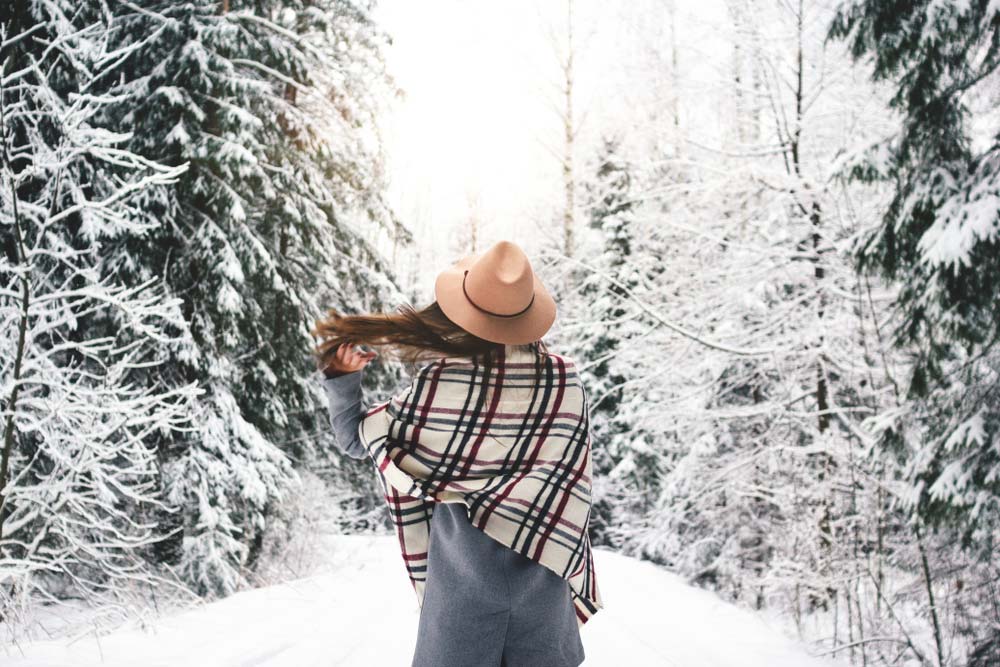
348, 359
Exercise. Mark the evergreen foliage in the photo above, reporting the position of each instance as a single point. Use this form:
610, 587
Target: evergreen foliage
78, 478
626, 466
264, 115
939, 240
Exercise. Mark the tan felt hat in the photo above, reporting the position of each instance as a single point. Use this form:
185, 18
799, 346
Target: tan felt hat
495, 295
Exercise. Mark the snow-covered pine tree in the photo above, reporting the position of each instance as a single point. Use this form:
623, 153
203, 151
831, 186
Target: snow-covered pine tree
756, 376
786, 422
940, 239
626, 469
77, 479
270, 104
328, 211
610, 212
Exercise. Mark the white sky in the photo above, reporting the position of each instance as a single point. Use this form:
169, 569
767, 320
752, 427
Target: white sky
478, 128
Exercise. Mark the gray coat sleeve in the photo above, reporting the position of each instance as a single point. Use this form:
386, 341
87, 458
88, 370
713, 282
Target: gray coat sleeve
346, 411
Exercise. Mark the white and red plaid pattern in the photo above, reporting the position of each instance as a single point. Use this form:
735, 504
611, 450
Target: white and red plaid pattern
519, 459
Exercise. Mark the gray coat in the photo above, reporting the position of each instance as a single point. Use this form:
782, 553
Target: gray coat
484, 604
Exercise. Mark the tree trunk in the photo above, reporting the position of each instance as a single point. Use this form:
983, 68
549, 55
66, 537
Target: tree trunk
22, 327
928, 582
568, 180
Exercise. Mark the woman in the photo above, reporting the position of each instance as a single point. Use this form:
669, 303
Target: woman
484, 462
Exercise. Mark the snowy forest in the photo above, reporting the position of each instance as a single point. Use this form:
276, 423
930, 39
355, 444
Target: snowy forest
772, 228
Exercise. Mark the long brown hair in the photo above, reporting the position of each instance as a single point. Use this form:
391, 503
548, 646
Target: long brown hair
411, 336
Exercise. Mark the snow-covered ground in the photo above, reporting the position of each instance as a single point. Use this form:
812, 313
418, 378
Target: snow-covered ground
362, 612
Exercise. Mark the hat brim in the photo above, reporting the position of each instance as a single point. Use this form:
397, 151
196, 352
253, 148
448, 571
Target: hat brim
520, 330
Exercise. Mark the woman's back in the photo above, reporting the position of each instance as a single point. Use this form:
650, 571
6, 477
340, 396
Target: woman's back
526, 397
519, 458
470, 583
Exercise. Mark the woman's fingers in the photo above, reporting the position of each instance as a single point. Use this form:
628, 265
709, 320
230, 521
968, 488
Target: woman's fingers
340, 357
351, 358
348, 357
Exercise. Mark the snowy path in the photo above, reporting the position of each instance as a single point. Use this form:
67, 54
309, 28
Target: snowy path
367, 615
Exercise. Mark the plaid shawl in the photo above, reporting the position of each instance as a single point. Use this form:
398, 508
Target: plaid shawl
519, 459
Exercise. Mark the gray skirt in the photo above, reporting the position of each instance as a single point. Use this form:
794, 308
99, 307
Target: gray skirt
485, 605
